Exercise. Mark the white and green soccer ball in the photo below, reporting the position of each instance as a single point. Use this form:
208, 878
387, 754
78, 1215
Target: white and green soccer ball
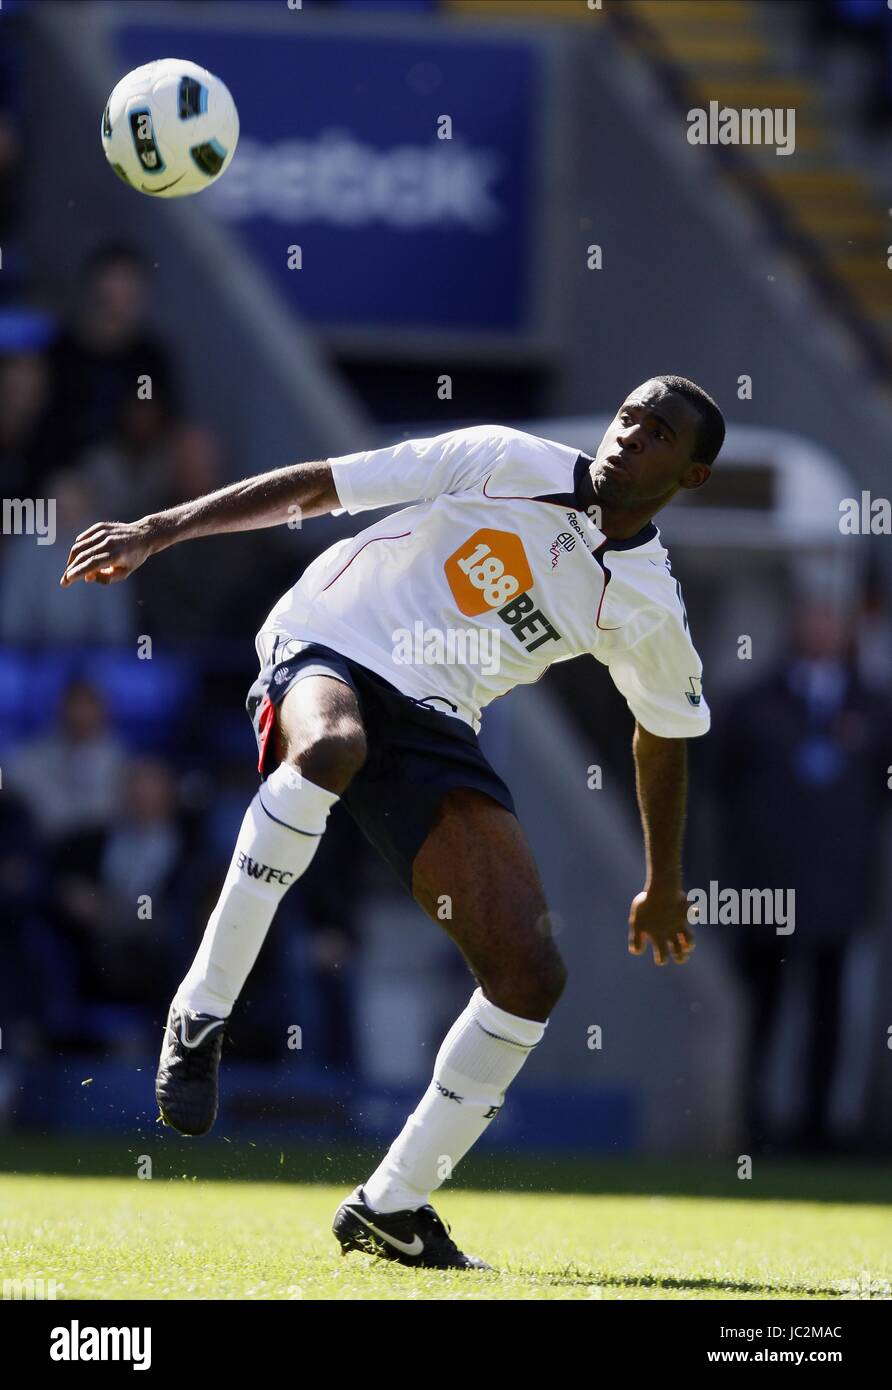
170, 128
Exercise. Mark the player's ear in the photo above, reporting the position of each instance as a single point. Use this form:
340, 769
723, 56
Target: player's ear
695, 475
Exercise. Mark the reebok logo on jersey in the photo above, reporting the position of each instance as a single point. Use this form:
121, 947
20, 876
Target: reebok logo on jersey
447, 1094
263, 872
574, 522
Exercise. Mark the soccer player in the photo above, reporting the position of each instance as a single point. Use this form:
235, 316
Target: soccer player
523, 552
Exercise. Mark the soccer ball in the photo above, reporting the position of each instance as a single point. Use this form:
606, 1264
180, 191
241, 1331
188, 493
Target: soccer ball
169, 128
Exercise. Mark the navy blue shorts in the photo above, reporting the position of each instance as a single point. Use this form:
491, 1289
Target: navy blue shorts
415, 754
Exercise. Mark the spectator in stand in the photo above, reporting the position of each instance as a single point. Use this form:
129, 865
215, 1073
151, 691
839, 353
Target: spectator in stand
24, 442
145, 843
10, 174
127, 475
172, 598
801, 768
174, 595
118, 905
99, 360
135, 911
37, 986
69, 778
33, 608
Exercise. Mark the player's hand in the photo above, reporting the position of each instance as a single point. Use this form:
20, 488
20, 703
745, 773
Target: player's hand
661, 919
108, 551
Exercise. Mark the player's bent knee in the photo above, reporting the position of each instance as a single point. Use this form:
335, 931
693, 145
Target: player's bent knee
333, 758
549, 981
527, 985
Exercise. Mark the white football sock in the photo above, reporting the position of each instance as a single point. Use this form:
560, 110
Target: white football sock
278, 838
481, 1055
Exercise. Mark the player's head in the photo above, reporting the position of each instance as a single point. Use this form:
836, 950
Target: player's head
665, 436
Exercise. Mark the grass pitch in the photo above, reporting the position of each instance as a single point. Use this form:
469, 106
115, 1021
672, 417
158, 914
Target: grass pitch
191, 1237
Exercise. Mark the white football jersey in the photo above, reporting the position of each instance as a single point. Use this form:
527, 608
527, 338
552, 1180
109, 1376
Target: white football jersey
494, 576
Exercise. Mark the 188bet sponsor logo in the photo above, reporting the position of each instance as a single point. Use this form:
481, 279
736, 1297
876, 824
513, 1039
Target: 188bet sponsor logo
490, 572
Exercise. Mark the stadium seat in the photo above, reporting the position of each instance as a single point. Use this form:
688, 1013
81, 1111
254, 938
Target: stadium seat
145, 698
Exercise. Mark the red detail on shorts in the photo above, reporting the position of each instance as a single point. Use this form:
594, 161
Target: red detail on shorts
267, 720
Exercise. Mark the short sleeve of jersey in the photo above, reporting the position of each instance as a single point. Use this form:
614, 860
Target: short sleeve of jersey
660, 676
417, 469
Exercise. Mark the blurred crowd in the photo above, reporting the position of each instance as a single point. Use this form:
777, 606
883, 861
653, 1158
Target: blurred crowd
123, 779
125, 772
110, 860
90, 417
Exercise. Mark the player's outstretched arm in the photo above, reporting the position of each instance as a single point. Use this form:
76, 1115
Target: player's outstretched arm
111, 550
659, 913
